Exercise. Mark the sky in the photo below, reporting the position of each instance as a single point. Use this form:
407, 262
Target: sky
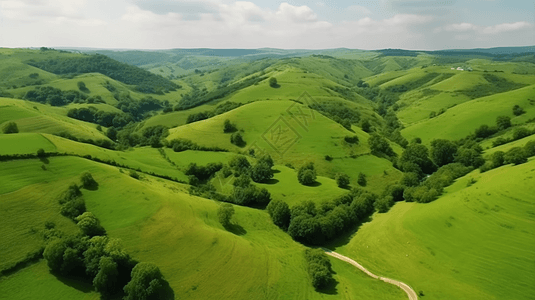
306, 24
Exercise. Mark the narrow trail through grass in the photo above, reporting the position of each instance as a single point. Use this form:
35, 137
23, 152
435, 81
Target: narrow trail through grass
405, 287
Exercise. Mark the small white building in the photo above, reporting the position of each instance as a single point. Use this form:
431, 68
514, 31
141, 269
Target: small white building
460, 69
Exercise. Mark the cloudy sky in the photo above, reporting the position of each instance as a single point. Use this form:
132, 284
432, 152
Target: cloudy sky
299, 24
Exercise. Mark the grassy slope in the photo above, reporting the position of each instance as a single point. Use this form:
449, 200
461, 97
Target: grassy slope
459, 121
23, 143
159, 223
39, 118
472, 243
269, 120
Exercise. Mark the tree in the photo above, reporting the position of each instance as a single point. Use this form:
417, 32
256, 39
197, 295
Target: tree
88, 181
366, 126
410, 179
383, 204
273, 82
319, 268
10, 127
416, 154
89, 224
515, 156
361, 180
307, 174
517, 110
443, 152
379, 145
261, 172
112, 133
529, 148
54, 254
82, 87
498, 159
41, 153
147, 282
469, 157
503, 122
106, 277
279, 211
225, 213
237, 139
521, 133
342, 180
240, 164
484, 131
228, 127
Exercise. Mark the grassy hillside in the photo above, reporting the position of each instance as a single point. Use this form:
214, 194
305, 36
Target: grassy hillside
474, 242
459, 121
158, 223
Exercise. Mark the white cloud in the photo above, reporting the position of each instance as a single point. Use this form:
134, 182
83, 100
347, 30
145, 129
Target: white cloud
505, 27
296, 13
359, 10
487, 30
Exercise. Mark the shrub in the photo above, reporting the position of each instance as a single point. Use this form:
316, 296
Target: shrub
485, 131
515, 156
147, 282
273, 82
517, 110
229, 127
134, 174
10, 127
225, 213
342, 180
237, 139
89, 224
383, 204
319, 268
503, 122
328, 158
351, 139
443, 152
279, 211
307, 174
529, 148
88, 181
379, 145
261, 172
41, 153
521, 133
361, 180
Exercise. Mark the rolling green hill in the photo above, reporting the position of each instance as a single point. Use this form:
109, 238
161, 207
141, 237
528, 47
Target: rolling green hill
462, 244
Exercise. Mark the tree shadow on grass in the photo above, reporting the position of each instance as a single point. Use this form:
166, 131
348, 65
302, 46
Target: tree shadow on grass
92, 187
77, 282
344, 238
275, 171
331, 288
167, 292
315, 184
44, 160
236, 229
272, 181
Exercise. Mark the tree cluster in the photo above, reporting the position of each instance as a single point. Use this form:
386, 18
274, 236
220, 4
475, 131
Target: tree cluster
338, 112
307, 174
319, 268
103, 118
54, 96
315, 225
145, 81
10, 127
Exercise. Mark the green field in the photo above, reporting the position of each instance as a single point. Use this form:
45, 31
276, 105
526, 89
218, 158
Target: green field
474, 242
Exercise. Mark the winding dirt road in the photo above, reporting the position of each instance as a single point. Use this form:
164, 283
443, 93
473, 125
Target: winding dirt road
410, 292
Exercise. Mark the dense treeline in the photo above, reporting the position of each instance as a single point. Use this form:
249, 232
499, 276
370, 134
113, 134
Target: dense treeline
338, 112
57, 97
198, 97
138, 109
145, 81
495, 85
103, 118
313, 225
220, 109
93, 256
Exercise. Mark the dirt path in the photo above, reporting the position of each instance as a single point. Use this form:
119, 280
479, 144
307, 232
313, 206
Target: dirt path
410, 292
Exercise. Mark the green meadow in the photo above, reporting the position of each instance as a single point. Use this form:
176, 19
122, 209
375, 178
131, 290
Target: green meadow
354, 114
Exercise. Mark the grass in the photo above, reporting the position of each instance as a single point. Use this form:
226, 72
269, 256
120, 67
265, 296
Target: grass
36, 282
24, 143
474, 242
159, 223
463, 119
